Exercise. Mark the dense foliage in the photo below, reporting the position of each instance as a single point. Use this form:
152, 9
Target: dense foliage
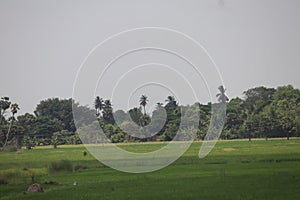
262, 113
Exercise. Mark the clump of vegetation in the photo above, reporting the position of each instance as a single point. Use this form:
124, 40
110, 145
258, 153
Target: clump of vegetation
51, 183
7, 175
29, 142
10, 148
261, 113
3, 181
63, 165
84, 153
80, 167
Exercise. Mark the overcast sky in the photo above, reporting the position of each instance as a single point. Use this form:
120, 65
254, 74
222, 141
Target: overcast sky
44, 42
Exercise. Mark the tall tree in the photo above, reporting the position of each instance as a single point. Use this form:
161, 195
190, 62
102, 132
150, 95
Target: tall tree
136, 115
108, 112
235, 118
222, 98
26, 121
4, 105
14, 109
26, 138
44, 127
257, 98
144, 102
286, 103
60, 109
171, 103
99, 103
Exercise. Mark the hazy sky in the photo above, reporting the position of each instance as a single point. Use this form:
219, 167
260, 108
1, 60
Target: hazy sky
44, 42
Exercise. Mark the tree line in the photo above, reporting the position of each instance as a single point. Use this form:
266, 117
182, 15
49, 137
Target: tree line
261, 113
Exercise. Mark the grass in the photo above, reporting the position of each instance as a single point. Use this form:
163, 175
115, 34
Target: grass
233, 170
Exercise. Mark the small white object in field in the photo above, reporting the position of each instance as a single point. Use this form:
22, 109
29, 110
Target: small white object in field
75, 183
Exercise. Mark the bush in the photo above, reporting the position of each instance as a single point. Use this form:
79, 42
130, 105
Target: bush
63, 165
28, 142
51, 183
80, 167
119, 137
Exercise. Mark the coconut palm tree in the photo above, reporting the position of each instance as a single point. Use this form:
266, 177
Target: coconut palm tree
14, 108
172, 104
222, 98
98, 105
4, 105
144, 102
170, 99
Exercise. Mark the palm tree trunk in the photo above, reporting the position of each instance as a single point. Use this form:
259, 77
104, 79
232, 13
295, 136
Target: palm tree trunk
249, 136
7, 135
0, 115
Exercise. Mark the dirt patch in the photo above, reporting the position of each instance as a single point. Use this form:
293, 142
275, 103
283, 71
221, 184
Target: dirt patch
35, 188
229, 149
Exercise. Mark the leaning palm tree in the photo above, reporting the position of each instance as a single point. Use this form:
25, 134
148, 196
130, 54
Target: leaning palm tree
98, 105
144, 102
14, 109
222, 98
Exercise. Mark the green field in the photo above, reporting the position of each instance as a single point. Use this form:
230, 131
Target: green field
233, 170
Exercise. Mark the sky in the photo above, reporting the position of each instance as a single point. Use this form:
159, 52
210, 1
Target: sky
45, 45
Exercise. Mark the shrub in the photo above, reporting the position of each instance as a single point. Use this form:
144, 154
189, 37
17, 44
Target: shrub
28, 142
63, 165
119, 137
51, 183
80, 167
3, 181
